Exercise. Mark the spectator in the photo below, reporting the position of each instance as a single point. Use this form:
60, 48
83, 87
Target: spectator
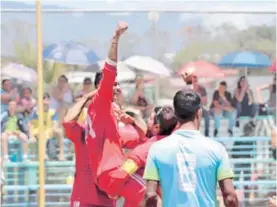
272, 95
87, 87
51, 129
204, 101
244, 100
140, 98
7, 94
222, 106
13, 126
62, 97
27, 102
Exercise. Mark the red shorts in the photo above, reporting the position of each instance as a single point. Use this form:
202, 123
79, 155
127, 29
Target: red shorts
118, 183
79, 204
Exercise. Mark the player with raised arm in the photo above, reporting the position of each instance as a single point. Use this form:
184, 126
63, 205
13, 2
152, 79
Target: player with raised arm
103, 139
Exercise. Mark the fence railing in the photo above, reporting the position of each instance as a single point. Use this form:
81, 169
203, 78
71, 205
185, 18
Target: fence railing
251, 159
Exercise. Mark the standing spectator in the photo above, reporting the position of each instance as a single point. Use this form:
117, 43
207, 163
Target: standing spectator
244, 100
222, 106
140, 97
27, 102
272, 95
51, 127
87, 87
8, 94
204, 101
62, 97
13, 126
186, 164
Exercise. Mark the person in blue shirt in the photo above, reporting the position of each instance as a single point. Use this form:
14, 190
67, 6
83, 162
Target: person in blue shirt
187, 165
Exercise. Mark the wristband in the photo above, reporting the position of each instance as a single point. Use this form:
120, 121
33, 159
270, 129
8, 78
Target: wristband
129, 166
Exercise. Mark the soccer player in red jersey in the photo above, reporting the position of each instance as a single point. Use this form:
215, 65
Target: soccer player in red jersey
103, 141
85, 192
161, 123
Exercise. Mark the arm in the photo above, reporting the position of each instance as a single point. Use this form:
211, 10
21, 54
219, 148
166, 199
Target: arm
215, 100
259, 92
105, 90
239, 96
224, 177
74, 112
151, 175
131, 136
228, 193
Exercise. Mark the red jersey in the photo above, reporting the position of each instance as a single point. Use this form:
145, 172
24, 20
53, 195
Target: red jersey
84, 189
140, 153
103, 141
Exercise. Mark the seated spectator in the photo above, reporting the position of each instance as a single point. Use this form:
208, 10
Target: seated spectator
8, 93
62, 97
244, 100
204, 101
140, 98
51, 129
13, 126
27, 102
222, 106
87, 87
271, 102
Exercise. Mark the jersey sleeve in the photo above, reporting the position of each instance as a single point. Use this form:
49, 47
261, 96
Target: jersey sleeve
129, 137
104, 94
151, 171
140, 153
224, 170
73, 130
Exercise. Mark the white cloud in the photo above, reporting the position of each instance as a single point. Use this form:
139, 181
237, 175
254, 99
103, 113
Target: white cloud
240, 20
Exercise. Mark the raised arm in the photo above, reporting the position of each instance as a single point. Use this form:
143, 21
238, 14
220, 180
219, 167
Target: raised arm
105, 89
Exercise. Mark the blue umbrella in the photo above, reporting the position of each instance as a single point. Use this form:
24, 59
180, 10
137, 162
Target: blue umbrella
245, 59
70, 53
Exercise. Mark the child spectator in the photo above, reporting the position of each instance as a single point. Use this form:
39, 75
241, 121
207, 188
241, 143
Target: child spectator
51, 129
13, 125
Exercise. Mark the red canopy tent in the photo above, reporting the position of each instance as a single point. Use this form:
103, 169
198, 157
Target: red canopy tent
203, 69
273, 67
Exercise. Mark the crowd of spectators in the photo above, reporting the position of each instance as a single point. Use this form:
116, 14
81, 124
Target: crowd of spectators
19, 116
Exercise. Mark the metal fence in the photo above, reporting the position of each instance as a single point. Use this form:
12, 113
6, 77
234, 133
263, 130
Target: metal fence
251, 159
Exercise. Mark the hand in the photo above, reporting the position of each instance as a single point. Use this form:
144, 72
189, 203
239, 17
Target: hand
121, 28
188, 75
124, 118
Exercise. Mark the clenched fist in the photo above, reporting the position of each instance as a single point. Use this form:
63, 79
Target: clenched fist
188, 75
121, 28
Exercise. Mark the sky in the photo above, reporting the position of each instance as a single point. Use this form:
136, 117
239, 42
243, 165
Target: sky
77, 27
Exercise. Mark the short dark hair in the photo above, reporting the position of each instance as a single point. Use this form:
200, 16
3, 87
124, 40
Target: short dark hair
186, 105
167, 120
4, 81
29, 89
87, 79
46, 95
223, 83
157, 109
97, 79
64, 77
